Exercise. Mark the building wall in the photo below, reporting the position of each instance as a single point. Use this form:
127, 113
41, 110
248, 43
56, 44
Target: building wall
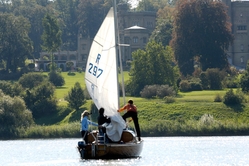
238, 52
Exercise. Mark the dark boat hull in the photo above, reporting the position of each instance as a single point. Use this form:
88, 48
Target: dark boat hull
127, 147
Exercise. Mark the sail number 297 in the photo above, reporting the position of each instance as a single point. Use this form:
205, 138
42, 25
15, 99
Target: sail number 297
94, 70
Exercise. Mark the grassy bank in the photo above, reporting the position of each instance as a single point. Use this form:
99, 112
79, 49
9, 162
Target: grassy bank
192, 114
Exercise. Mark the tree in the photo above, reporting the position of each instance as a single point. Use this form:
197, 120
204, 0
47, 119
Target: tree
152, 66
56, 78
201, 29
91, 13
68, 16
40, 99
244, 80
76, 97
51, 37
15, 44
13, 116
164, 26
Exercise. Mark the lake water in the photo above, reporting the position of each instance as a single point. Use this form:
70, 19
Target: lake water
166, 151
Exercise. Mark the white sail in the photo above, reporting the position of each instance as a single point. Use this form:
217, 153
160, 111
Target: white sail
101, 75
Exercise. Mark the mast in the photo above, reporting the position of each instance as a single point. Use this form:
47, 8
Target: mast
118, 52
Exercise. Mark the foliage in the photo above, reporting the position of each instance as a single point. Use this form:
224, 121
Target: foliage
244, 80
56, 78
15, 44
160, 91
31, 80
69, 65
76, 97
164, 25
231, 98
152, 66
201, 29
40, 99
218, 98
11, 89
13, 116
89, 21
215, 78
51, 37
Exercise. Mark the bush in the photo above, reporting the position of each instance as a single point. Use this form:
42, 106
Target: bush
231, 98
184, 86
13, 116
218, 98
31, 80
160, 91
56, 78
169, 99
76, 96
149, 91
40, 100
11, 89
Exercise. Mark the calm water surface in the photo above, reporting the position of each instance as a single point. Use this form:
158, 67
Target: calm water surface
172, 151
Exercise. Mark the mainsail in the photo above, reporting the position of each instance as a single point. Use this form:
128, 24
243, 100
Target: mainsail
101, 75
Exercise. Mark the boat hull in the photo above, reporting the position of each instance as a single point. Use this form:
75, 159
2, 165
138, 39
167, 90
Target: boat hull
127, 147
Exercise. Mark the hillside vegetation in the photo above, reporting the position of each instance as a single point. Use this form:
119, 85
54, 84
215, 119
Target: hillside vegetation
192, 114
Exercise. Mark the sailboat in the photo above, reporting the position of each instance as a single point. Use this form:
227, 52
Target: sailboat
101, 77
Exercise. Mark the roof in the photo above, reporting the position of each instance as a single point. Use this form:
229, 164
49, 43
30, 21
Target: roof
135, 27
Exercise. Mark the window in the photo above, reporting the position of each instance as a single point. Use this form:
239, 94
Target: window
83, 46
144, 40
242, 59
241, 27
135, 39
242, 47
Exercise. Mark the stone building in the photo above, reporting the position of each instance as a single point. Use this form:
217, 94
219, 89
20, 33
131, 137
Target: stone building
238, 53
135, 29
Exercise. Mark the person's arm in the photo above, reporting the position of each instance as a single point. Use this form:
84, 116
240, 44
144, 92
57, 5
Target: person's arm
122, 109
92, 123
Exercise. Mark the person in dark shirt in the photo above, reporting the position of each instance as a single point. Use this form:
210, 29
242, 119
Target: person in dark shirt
101, 120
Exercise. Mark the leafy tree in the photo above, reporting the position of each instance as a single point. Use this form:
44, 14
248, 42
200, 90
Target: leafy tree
164, 26
51, 37
201, 29
10, 88
15, 44
13, 116
68, 15
76, 97
40, 100
56, 78
31, 80
91, 13
152, 66
244, 80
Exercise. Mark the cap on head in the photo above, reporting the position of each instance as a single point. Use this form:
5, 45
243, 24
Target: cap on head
85, 113
130, 101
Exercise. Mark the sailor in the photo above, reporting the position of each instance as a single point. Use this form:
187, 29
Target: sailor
131, 112
85, 122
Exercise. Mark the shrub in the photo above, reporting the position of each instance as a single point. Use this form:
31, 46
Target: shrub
76, 96
169, 99
149, 91
218, 98
231, 98
11, 89
13, 116
56, 78
215, 77
160, 91
184, 86
40, 100
32, 80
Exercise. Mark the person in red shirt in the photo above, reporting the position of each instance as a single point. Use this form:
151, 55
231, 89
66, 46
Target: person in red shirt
131, 112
